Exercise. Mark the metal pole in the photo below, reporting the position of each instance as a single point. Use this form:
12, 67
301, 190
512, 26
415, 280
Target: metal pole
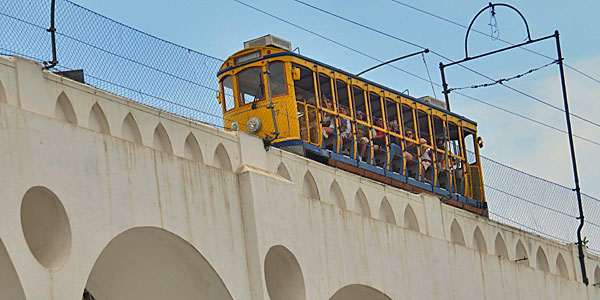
52, 31
573, 161
445, 86
393, 60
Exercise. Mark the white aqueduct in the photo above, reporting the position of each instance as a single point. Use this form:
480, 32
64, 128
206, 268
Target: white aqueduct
102, 194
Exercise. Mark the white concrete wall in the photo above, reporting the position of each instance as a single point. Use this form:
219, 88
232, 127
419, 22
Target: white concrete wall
220, 217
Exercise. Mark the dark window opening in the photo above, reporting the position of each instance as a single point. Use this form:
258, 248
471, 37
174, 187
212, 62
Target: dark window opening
251, 86
277, 79
305, 87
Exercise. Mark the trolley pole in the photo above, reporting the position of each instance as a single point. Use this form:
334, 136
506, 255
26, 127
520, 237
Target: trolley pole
573, 160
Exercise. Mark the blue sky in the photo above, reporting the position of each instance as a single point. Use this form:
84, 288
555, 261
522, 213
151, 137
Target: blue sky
218, 28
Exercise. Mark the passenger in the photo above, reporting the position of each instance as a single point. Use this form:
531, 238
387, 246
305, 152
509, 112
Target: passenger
410, 154
426, 160
379, 136
327, 122
344, 128
362, 135
395, 148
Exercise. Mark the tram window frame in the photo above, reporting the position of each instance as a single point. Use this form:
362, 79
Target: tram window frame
343, 99
240, 90
277, 71
325, 89
362, 107
376, 109
408, 121
391, 112
304, 88
225, 95
470, 144
423, 124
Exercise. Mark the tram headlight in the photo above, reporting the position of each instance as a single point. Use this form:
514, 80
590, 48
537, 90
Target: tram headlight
235, 126
254, 125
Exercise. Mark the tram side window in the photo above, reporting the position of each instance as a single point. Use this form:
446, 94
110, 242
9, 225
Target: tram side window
277, 79
407, 119
251, 86
227, 85
305, 87
342, 95
359, 101
423, 121
325, 86
469, 145
375, 101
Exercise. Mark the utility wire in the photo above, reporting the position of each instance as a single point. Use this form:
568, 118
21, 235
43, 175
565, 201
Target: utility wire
483, 33
414, 75
446, 58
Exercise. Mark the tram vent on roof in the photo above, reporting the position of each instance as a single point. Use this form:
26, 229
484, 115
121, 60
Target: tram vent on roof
437, 102
269, 40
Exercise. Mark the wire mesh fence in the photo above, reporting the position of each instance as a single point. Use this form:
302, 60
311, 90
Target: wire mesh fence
181, 81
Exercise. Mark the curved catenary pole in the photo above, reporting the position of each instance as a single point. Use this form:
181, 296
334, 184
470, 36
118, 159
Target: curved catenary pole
52, 30
492, 6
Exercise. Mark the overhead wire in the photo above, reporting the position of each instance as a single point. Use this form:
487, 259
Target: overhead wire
414, 75
444, 57
499, 39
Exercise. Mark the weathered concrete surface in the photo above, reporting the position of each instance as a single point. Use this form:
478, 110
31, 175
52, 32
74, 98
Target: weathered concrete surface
157, 206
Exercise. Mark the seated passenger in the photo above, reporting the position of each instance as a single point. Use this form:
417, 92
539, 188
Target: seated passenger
426, 160
379, 144
395, 149
345, 129
410, 154
362, 135
326, 120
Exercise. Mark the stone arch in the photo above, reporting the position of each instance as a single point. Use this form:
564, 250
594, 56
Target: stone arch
97, 120
161, 139
410, 219
152, 263
521, 254
130, 130
46, 227
479, 240
456, 234
597, 276
386, 213
500, 247
10, 285
221, 158
359, 292
283, 171
3, 97
361, 205
336, 196
283, 275
191, 149
561, 266
309, 186
63, 110
541, 261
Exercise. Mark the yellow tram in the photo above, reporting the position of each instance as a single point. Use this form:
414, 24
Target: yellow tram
310, 108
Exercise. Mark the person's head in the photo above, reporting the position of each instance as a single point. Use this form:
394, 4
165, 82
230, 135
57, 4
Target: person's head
423, 141
360, 115
409, 134
379, 122
440, 144
342, 110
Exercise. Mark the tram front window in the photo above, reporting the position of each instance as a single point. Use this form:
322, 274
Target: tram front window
251, 85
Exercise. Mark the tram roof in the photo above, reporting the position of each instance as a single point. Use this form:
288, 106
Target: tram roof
288, 53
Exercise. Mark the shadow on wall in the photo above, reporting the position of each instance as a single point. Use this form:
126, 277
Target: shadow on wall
151, 263
359, 292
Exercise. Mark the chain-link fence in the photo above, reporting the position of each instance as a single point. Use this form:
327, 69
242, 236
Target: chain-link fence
157, 73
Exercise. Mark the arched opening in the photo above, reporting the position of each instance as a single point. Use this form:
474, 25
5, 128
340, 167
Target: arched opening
597, 277
410, 219
221, 158
500, 247
161, 139
10, 285
97, 120
456, 234
359, 292
361, 205
541, 261
336, 196
386, 213
283, 275
191, 149
309, 186
561, 266
130, 131
521, 254
283, 171
479, 241
64, 109
151, 263
46, 227
3, 97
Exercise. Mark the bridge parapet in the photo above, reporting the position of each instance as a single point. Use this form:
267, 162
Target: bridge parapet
262, 224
